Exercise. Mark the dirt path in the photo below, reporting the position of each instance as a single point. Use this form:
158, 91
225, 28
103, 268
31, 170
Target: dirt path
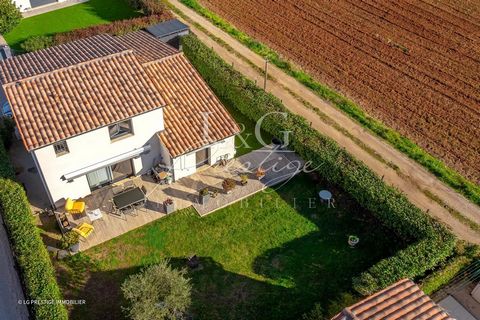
409, 177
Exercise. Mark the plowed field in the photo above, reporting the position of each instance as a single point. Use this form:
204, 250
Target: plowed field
414, 65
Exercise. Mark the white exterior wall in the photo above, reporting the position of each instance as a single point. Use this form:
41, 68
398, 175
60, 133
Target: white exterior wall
95, 146
186, 165
22, 4
221, 149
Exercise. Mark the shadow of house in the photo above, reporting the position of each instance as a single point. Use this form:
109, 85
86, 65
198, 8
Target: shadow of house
325, 252
216, 292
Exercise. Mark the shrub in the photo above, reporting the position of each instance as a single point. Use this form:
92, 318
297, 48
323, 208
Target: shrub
36, 269
115, 28
120, 27
315, 314
228, 184
158, 292
36, 43
443, 276
69, 239
431, 243
10, 16
148, 7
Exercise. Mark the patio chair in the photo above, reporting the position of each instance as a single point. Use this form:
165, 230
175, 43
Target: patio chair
117, 189
129, 185
116, 212
74, 207
84, 230
141, 206
131, 210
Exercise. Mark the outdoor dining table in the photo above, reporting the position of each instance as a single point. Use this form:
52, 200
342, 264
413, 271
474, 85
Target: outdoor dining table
128, 198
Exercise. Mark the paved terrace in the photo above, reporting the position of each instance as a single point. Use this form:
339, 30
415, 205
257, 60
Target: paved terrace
280, 166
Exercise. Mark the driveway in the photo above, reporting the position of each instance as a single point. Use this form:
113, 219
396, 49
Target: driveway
409, 176
11, 290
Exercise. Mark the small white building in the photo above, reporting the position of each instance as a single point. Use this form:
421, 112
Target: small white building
25, 5
98, 110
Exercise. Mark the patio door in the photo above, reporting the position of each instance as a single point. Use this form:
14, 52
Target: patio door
115, 172
201, 157
99, 178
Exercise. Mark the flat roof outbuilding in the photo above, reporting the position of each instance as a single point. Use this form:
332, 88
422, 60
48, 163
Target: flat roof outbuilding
167, 28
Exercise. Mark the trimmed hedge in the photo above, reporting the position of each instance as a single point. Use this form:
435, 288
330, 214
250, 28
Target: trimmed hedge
431, 242
443, 276
115, 28
154, 11
448, 175
36, 269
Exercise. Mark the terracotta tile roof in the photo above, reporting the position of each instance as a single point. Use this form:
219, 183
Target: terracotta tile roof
189, 102
146, 47
73, 88
69, 101
402, 300
65, 55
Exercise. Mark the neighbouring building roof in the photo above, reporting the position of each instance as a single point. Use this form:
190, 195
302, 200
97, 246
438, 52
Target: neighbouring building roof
146, 47
402, 300
167, 28
51, 59
63, 91
194, 117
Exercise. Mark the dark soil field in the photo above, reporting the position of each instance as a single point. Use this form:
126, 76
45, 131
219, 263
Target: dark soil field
414, 65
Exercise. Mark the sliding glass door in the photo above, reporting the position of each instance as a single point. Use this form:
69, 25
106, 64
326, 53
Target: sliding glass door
110, 174
99, 178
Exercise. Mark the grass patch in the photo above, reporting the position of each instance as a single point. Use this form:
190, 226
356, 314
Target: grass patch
82, 15
271, 256
432, 164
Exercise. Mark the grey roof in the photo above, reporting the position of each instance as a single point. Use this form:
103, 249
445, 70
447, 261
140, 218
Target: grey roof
167, 28
5, 52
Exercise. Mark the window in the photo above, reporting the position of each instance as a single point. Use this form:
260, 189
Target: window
120, 129
60, 148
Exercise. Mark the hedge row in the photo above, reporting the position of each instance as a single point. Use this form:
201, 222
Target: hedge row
431, 242
403, 144
155, 12
36, 269
115, 28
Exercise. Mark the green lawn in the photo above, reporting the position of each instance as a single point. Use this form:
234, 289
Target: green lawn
78, 16
270, 257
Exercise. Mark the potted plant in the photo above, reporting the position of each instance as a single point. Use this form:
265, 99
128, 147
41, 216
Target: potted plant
243, 179
228, 185
204, 195
169, 205
70, 241
353, 241
260, 173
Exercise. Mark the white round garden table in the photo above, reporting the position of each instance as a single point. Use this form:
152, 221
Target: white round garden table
325, 195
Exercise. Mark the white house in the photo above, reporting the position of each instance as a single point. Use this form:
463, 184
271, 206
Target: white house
98, 110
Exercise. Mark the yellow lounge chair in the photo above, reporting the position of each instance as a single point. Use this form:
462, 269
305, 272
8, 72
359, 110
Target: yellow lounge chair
72, 206
84, 230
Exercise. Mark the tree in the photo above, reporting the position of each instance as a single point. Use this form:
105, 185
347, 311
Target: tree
10, 16
157, 293
315, 314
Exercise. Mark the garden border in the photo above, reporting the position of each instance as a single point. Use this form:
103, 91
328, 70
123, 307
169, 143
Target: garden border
431, 242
